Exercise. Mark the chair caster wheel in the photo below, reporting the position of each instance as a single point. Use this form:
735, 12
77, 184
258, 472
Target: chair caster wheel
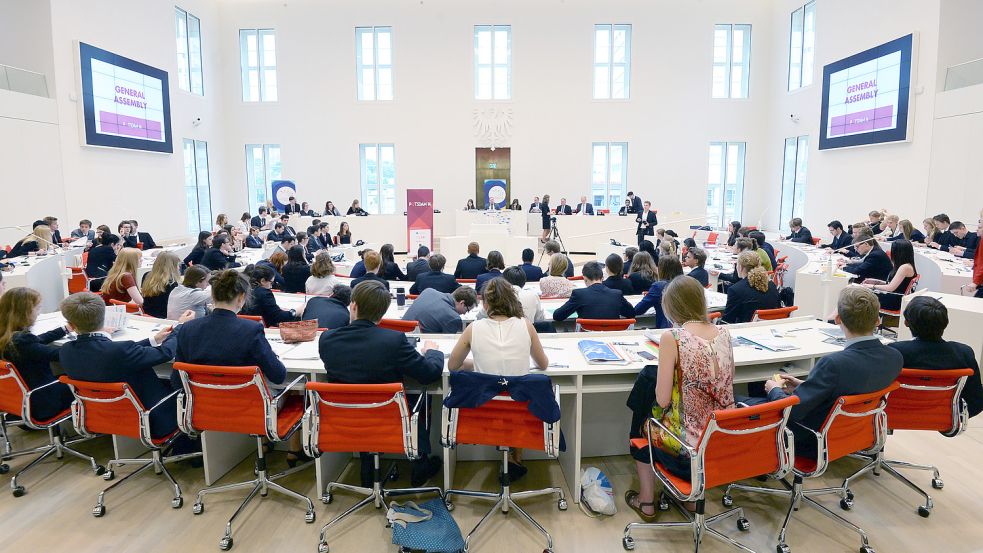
322, 547
547, 551
449, 505
727, 500
108, 475
4, 468
100, 470
743, 524
628, 543
783, 548
866, 549
562, 504
177, 503
923, 512
225, 544
849, 495
18, 491
394, 476
310, 517
663, 504
198, 508
846, 504
98, 511
937, 483
327, 499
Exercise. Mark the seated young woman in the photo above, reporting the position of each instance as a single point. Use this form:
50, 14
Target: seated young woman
296, 271
889, 293
752, 292
158, 284
696, 366
642, 273
322, 280
121, 282
262, 302
555, 285
669, 269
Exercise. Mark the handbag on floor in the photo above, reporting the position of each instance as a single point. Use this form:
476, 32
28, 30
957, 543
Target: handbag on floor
596, 493
426, 527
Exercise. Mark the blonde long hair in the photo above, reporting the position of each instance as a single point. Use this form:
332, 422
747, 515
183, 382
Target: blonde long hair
128, 261
42, 234
166, 270
16, 313
684, 301
323, 266
757, 277
558, 265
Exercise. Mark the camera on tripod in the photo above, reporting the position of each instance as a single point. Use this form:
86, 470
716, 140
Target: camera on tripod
553, 219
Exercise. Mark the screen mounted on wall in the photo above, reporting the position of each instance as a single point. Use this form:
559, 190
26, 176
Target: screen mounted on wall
866, 97
125, 103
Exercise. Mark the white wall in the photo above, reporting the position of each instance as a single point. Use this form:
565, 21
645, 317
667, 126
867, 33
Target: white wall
25, 37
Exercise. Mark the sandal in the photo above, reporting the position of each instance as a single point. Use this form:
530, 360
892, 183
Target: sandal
630, 497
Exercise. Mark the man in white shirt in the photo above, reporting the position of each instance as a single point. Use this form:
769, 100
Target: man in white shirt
584, 208
532, 307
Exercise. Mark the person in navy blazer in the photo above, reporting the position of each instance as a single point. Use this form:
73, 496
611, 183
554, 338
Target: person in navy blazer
695, 259
646, 220
472, 265
865, 365
95, 357
364, 353
419, 265
799, 234
584, 207
616, 280
435, 277
101, 258
331, 312
533, 272
206, 341
220, 255
841, 238
636, 203
262, 302
564, 208
874, 263
595, 300
495, 265
259, 221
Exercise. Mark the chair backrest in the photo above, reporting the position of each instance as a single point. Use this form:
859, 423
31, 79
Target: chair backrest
779, 274
855, 423
746, 442
77, 281
774, 314
256, 318
815, 241
712, 238
139, 245
715, 315
399, 325
576, 277
501, 422
600, 325
13, 390
359, 417
106, 408
226, 399
130, 306
911, 284
929, 400
85, 258
412, 296
467, 280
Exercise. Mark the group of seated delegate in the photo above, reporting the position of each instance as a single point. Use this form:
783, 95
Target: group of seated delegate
46, 235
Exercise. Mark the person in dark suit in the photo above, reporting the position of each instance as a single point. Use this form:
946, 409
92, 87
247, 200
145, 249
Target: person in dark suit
259, 221
646, 220
695, 259
101, 258
313, 241
142, 237
927, 318
963, 243
759, 238
841, 238
584, 207
799, 234
545, 213
753, 292
220, 255
636, 203
330, 312
563, 208
643, 272
278, 234
435, 278
296, 271
390, 270
95, 357
364, 353
551, 248
254, 240
292, 206
616, 280
943, 236
373, 264
126, 235
472, 265
494, 267
261, 301
874, 263
52, 224
864, 366
32, 354
197, 252
595, 300
84, 231
669, 269
287, 229
533, 272
419, 265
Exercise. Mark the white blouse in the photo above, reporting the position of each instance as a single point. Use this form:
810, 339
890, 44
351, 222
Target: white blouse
501, 347
323, 286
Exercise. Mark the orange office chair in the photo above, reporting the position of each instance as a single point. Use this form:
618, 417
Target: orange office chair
139, 245
412, 296
712, 238
912, 284
361, 417
236, 399
774, 314
113, 408
77, 280
467, 281
735, 444
15, 400
400, 325
256, 318
816, 241
130, 306
600, 325
778, 275
576, 277
927, 400
715, 315
854, 424
503, 423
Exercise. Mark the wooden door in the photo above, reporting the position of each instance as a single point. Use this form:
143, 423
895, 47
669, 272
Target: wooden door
491, 164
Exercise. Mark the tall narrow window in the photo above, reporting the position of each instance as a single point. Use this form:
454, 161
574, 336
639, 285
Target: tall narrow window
197, 187
731, 61
374, 60
609, 174
725, 184
493, 62
188, 31
257, 53
796, 162
612, 61
802, 46
378, 168
262, 168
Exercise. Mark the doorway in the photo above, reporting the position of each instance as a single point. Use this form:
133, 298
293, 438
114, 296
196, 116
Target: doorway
493, 177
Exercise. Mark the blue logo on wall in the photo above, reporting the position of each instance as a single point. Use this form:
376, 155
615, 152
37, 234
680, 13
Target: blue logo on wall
495, 194
282, 190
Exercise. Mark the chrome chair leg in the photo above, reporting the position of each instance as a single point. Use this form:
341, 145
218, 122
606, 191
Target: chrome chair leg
20, 490
923, 510
482, 522
532, 521
100, 508
842, 521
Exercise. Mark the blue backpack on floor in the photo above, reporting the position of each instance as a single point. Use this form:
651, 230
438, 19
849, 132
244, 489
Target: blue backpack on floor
426, 527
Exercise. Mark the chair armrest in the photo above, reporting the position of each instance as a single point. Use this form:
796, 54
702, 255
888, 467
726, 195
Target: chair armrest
43, 386
164, 399
690, 452
288, 387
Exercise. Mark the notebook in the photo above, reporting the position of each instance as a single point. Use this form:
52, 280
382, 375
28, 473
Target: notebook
770, 342
600, 353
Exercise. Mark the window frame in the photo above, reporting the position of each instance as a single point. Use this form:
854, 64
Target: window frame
379, 207
720, 218
360, 65
797, 189
268, 176
492, 66
261, 68
806, 49
728, 64
186, 74
610, 64
204, 219
608, 204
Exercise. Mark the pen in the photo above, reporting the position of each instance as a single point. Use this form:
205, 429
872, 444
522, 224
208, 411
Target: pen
550, 347
625, 343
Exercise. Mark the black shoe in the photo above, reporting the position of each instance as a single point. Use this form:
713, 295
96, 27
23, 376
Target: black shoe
367, 468
516, 471
424, 470
196, 462
299, 458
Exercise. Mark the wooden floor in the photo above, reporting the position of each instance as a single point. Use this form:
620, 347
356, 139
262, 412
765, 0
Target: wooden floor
55, 513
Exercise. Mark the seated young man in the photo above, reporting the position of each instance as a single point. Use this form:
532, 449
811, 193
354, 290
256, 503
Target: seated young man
595, 300
95, 357
927, 318
373, 263
963, 243
864, 365
798, 233
472, 265
330, 312
440, 312
435, 278
363, 353
695, 259
551, 248
533, 272
874, 262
